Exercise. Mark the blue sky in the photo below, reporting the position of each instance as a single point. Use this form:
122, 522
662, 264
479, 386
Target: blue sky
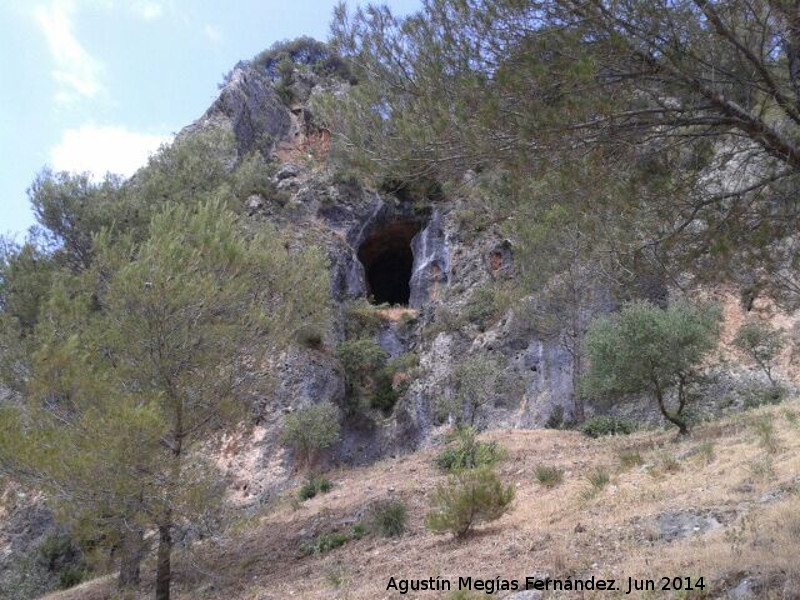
97, 85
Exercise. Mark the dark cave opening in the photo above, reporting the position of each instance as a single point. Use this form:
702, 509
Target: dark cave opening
388, 261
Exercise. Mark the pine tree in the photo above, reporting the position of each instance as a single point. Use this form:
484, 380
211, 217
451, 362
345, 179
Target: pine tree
139, 362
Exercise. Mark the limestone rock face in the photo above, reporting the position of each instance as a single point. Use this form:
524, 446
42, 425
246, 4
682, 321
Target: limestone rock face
431, 262
441, 272
253, 110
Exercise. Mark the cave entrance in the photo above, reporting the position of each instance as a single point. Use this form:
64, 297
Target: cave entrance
388, 262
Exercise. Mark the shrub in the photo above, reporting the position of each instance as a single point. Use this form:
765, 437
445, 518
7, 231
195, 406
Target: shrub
765, 429
359, 531
302, 51
487, 304
468, 453
330, 541
630, 458
324, 543
362, 319
706, 452
481, 306
311, 429
70, 577
254, 176
314, 486
61, 555
600, 426
756, 395
762, 468
311, 336
556, 418
598, 479
361, 359
467, 499
386, 394
549, 476
390, 518
57, 550
670, 464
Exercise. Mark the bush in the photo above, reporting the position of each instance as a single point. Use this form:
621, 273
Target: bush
598, 479
362, 319
324, 543
549, 476
361, 360
756, 395
469, 498
302, 51
330, 541
630, 458
314, 486
311, 336
390, 518
70, 577
706, 452
765, 430
600, 426
254, 176
369, 379
61, 555
468, 452
487, 304
556, 418
311, 429
385, 396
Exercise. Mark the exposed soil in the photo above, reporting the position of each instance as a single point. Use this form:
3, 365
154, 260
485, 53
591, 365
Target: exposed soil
719, 504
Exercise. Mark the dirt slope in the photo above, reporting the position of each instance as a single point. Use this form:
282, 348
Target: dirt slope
723, 504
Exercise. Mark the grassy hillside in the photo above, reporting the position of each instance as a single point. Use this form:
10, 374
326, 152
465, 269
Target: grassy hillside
723, 504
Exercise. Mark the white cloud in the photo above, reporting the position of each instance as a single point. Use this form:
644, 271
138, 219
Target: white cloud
77, 73
148, 9
101, 150
212, 33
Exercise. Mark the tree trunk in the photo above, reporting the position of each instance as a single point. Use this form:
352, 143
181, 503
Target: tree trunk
580, 416
164, 569
130, 559
675, 419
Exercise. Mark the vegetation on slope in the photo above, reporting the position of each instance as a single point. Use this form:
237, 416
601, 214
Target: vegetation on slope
126, 328
722, 504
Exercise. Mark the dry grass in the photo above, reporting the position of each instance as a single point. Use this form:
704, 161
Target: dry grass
560, 531
396, 313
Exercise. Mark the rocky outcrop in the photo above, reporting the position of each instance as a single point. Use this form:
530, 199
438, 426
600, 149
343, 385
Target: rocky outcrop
249, 105
428, 254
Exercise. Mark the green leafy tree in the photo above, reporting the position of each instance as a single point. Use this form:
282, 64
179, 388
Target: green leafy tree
644, 348
761, 343
138, 364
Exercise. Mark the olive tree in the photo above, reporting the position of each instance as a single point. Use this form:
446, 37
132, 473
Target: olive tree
644, 348
761, 343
